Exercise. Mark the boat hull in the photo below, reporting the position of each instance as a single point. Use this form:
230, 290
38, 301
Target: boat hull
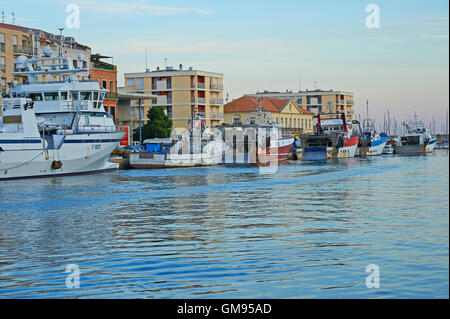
431, 145
410, 149
79, 154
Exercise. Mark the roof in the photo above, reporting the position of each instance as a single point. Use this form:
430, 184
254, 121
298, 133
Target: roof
250, 104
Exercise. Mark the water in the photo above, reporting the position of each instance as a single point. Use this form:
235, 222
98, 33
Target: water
308, 231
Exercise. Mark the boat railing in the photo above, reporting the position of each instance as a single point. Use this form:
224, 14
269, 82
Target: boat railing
74, 105
97, 128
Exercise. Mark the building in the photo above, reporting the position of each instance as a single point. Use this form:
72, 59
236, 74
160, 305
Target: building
18, 40
106, 75
318, 101
182, 93
294, 118
128, 108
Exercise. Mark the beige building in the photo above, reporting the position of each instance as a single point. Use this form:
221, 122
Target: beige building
318, 101
293, 118
18, 40
128, 108
182, 93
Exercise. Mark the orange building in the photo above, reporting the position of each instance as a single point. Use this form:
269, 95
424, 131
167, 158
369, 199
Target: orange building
106, 74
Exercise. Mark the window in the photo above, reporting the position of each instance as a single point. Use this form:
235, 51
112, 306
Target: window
75, 63
111, 86
130, 82
2, 38
36, 96
140, 84
86, 120
51, 96
14, 38
104, 84
85, 96
64, 96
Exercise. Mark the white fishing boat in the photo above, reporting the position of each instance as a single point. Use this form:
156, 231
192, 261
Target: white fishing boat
388, 148
168, 153
416, 139
54, 128
371, 142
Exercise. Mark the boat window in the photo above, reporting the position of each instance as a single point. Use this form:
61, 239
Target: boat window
95, 96
85, 96
36, 96
102, 96
75, 96
51, 96
86, 120
64, 96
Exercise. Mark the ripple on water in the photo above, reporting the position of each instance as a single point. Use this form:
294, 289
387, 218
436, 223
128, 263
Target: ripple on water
308, 231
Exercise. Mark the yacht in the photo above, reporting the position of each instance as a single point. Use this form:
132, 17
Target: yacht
54, 127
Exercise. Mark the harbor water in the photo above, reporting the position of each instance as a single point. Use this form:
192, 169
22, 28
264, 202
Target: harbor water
308, 231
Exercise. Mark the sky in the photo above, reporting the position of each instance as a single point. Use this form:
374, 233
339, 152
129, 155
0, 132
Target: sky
275, 45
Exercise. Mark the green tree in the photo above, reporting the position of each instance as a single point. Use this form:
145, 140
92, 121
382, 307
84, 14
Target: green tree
159, 125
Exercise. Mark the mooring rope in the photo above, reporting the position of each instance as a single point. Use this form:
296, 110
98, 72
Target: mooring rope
17, 166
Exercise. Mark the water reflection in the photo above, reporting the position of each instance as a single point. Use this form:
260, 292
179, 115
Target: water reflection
308, 231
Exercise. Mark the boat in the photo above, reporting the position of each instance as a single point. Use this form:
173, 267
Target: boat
371, 142
197, 150
388, 148
54, 128
416, 139
442, 145
332, 140
263, 142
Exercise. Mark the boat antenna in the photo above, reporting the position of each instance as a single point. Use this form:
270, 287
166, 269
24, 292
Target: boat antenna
146, 65
60, 47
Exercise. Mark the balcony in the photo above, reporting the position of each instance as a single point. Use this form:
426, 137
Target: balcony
217, 116
350, 102
201, 100
350, 112
104, 66
2, 67
20, 49
201, 86
216, 101
216, 87
161, 86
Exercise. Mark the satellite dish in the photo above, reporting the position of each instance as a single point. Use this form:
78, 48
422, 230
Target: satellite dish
21, 62
80, 56
47, 51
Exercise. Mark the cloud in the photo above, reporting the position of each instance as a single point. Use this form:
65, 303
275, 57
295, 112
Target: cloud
136, 8
433, 36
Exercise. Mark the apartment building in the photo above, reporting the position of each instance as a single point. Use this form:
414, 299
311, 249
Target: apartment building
182, 92
18, 40
106, 75
318, 101
295, 119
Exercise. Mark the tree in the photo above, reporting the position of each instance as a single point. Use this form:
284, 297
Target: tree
159, 125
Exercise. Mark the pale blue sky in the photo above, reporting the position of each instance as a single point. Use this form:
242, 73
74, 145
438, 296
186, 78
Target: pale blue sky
259, 45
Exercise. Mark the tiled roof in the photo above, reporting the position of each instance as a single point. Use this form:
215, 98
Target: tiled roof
250, 104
